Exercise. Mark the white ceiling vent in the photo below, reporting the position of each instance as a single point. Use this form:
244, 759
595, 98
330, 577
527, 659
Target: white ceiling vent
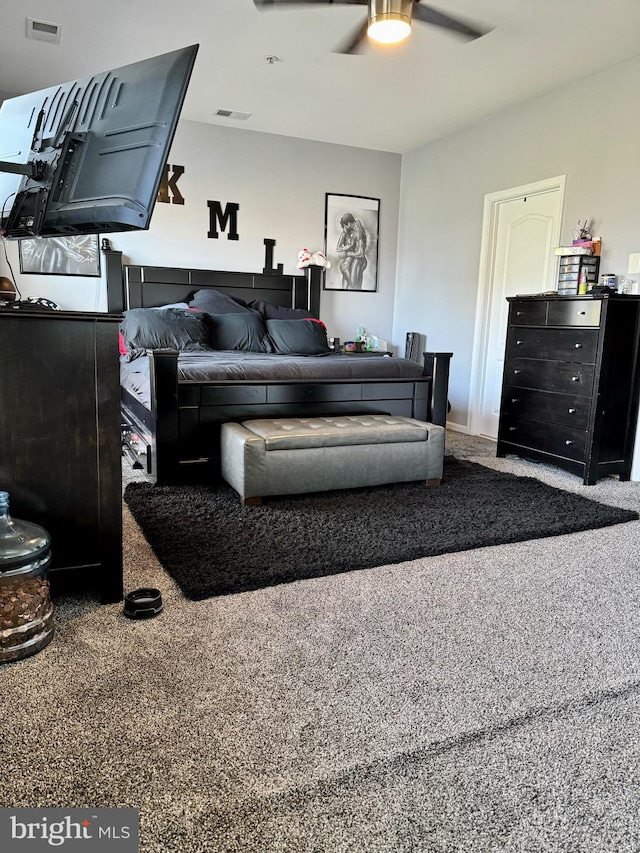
43, 31
235, 114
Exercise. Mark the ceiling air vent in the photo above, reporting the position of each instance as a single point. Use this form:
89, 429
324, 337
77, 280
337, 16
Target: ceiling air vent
43, 31
236, 114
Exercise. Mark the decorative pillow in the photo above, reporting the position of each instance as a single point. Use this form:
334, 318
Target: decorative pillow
299, 337
245, 332
216, 302
173, 328
279, 312
182, 305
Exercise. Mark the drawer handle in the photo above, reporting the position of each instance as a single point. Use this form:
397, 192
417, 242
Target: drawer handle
519, 313
568, 442
575, 379
582, 313
571, 411
519, 343
577, 346
515, 399
513, 429
516, 371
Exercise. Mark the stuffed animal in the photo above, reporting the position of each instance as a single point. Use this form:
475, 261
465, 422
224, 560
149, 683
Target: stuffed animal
316, 259
304, 259
320, 260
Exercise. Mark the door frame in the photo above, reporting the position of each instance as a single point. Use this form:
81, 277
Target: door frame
485, 280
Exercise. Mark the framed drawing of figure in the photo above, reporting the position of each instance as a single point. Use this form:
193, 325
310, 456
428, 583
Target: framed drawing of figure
77, 255
351, 226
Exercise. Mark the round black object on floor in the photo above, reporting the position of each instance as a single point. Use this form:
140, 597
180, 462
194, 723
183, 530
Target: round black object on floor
142, 603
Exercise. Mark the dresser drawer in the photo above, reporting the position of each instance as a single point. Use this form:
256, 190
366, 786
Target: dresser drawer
547, 406
564, 377
549, 438
567, 261
574, 312
561, 344
527, 313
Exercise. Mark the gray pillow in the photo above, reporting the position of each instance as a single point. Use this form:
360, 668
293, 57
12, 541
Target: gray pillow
216, 302
298, 337
245, 332
278, 312
172, 328
182, 305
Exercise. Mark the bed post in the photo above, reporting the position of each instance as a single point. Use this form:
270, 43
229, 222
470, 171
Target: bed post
165, 449
114, 281
313, 278
436, 365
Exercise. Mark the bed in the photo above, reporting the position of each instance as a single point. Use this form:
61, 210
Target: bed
174, 400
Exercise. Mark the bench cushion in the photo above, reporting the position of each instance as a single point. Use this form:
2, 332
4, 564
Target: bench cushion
293, 455
300, 433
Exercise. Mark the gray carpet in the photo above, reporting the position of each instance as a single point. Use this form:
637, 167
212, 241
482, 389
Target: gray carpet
478, 701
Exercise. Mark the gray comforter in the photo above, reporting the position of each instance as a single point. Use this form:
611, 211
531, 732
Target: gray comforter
234, 365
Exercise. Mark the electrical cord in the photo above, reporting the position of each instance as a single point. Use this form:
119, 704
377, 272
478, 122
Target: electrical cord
13, 277
4, 246
2, 213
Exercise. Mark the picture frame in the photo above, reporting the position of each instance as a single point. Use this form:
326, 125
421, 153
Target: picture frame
76, 255
351, 231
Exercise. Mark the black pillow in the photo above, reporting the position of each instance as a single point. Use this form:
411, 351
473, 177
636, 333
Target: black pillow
172, 328
278, 312
299, 337
216, 302
245, 332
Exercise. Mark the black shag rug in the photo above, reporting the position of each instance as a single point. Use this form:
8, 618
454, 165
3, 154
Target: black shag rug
211, 545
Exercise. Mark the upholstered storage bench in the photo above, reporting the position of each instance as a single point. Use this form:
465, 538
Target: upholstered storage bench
293, 455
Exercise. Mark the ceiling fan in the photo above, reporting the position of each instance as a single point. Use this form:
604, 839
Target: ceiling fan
388, 21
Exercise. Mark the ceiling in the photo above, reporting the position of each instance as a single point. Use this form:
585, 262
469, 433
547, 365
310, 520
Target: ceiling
390, 99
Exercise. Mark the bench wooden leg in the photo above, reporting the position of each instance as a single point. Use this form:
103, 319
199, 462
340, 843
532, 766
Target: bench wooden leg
251, 501
433, 482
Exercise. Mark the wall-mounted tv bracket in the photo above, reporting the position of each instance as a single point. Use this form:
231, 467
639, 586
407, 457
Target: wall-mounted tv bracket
48, 180
31, 200
34, 170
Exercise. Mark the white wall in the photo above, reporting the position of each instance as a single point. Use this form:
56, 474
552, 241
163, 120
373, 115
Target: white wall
280, 184
589, 131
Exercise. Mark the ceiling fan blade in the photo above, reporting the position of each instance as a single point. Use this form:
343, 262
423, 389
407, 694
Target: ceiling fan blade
428, 15
354, 41
267, 4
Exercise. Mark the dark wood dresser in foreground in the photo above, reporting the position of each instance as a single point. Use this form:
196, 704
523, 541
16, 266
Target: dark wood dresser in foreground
570, 390
60, 440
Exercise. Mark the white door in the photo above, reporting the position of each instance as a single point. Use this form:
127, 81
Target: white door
520, 259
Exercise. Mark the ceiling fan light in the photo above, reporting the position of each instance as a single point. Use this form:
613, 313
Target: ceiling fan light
389, 28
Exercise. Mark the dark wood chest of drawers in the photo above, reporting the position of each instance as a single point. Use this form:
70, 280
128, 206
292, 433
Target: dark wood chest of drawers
60, 451
570, 389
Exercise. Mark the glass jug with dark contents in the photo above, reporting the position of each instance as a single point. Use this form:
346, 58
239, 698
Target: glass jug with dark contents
26, 612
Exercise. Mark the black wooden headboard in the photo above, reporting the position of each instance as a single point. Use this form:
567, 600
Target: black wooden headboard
135, 286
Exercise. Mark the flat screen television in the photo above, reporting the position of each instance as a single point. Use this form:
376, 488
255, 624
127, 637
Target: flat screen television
88, 156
